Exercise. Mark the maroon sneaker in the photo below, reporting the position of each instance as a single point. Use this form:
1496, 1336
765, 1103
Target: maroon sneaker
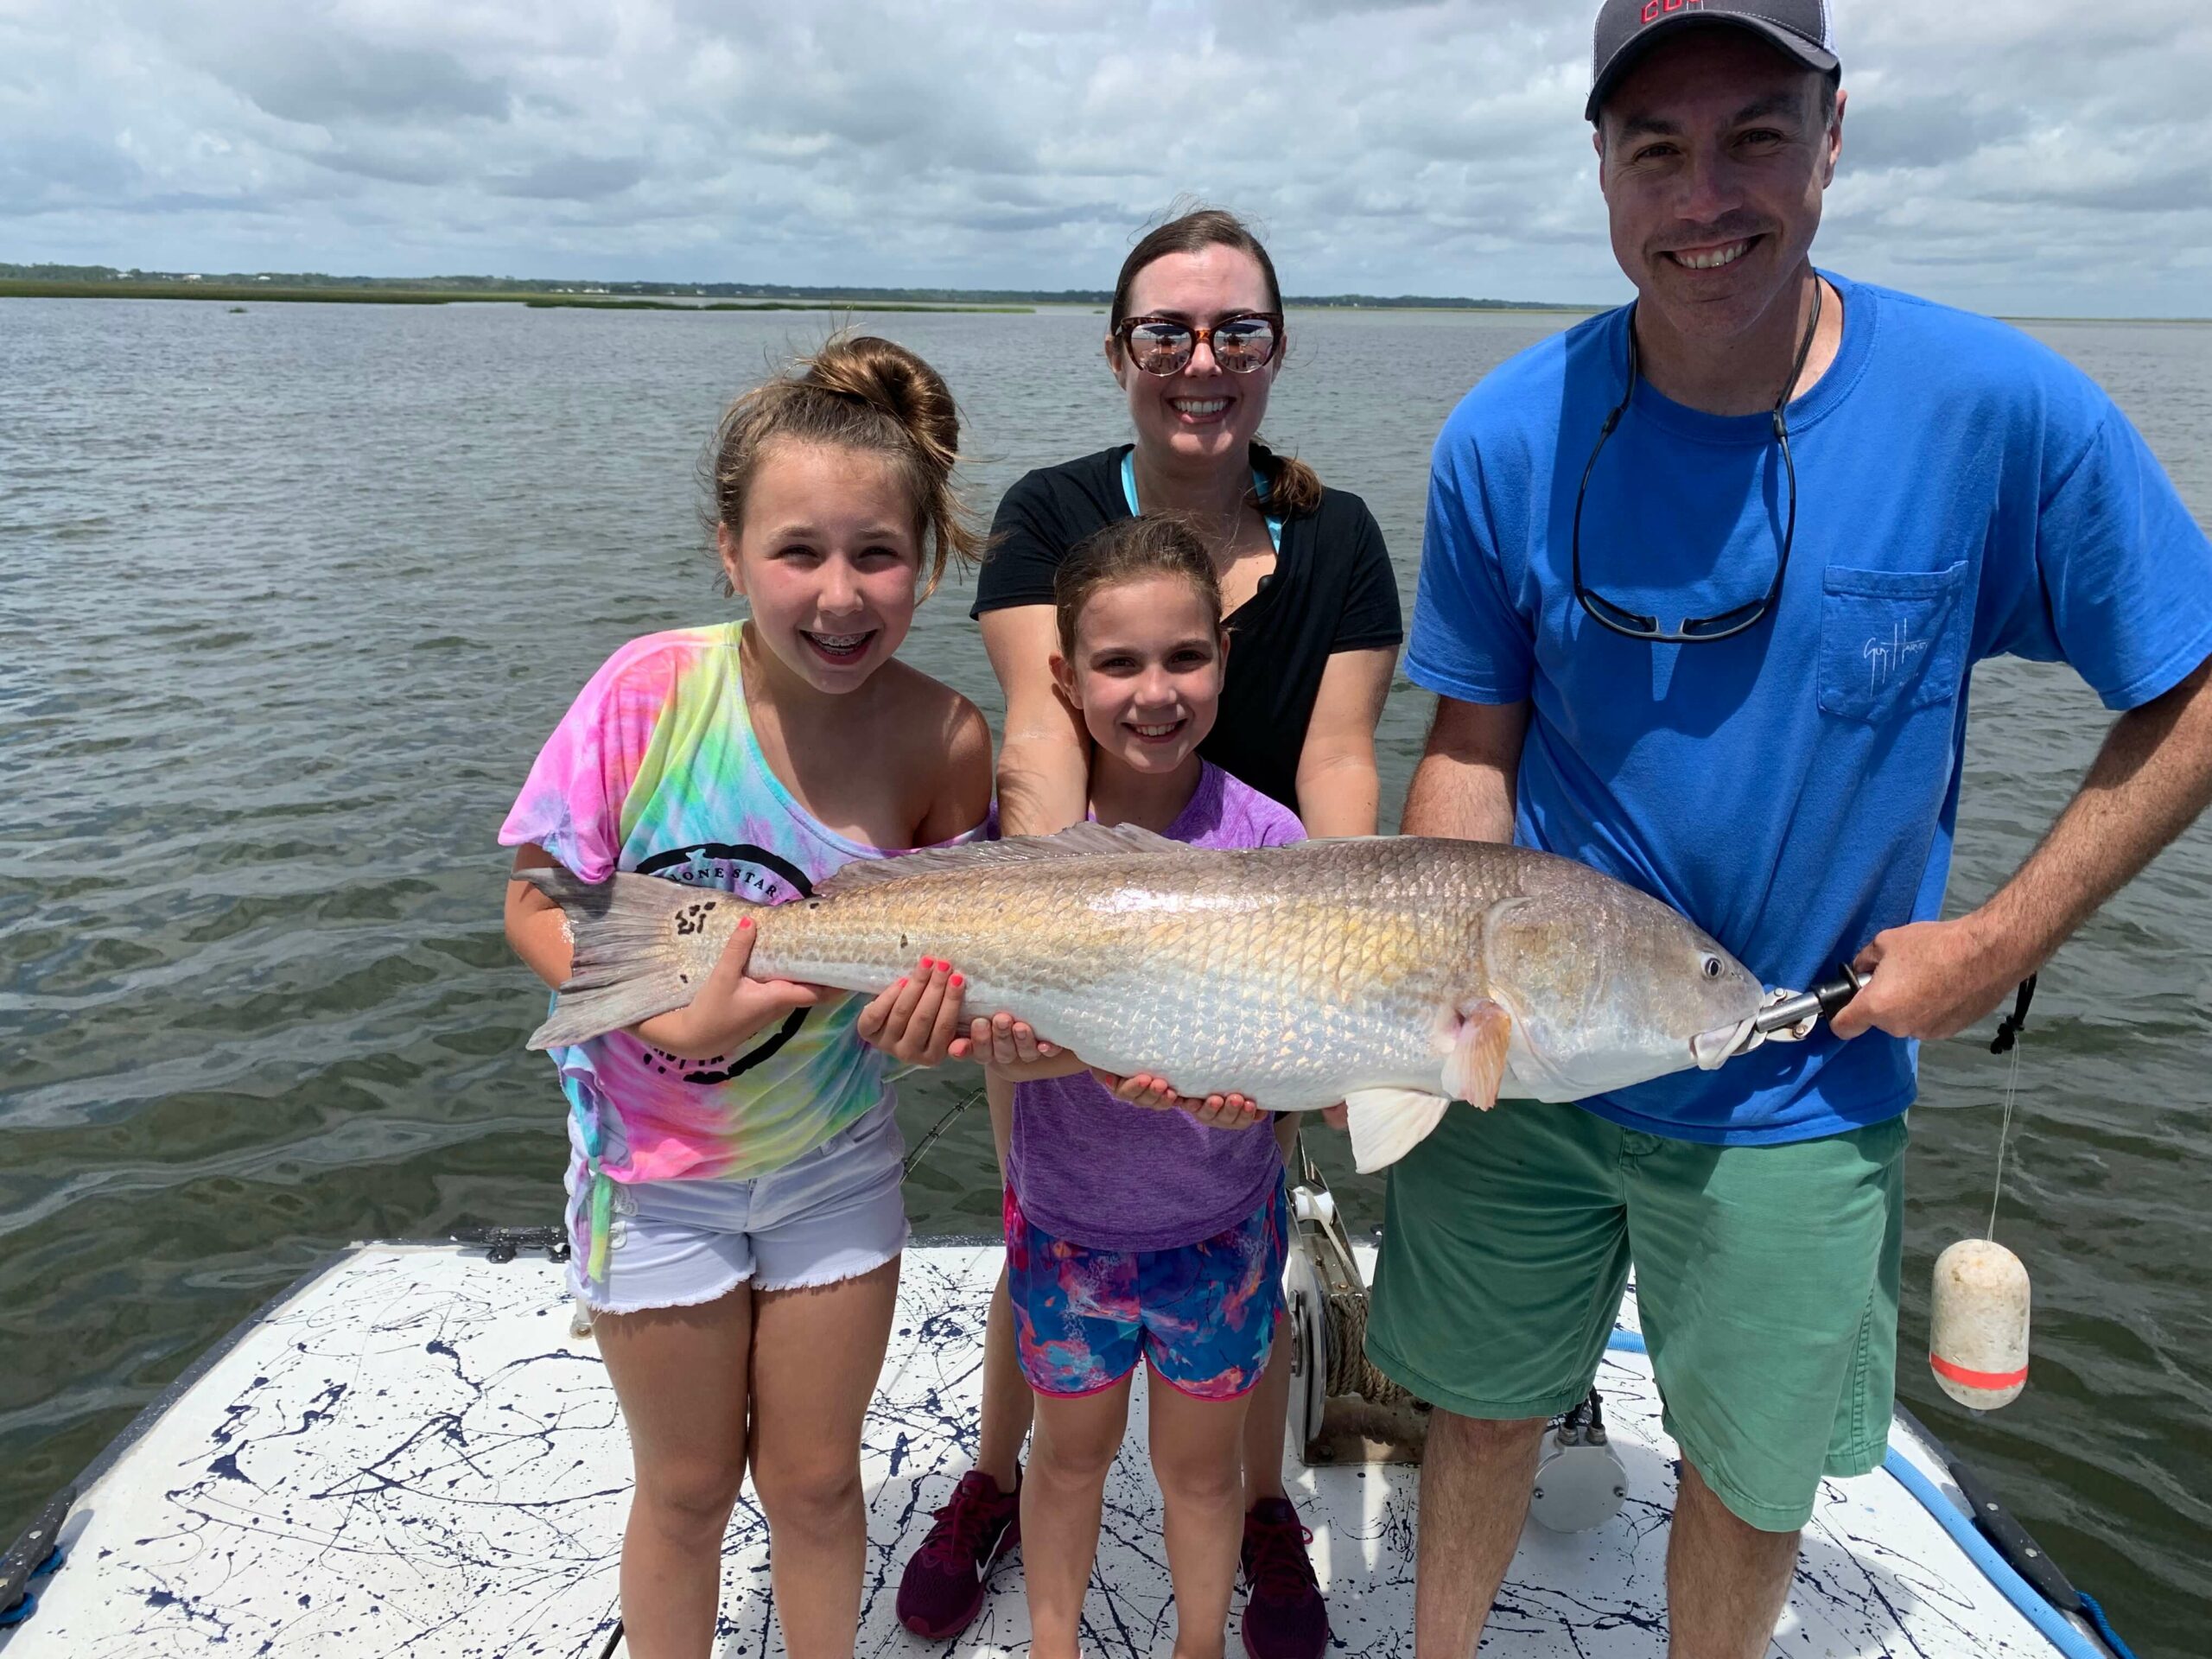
1285, 1617
943, 1587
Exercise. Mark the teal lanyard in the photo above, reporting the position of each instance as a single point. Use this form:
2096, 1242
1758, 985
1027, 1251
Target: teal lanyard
1259, 488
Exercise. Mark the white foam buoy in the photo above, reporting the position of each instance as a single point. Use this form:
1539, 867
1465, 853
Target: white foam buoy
1978, 1325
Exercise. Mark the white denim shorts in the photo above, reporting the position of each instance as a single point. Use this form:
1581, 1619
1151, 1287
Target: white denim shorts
830, 1214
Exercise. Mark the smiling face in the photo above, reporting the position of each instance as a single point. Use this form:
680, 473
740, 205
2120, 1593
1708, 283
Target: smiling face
1714, 153
829, 557
1145, 674
1202, 414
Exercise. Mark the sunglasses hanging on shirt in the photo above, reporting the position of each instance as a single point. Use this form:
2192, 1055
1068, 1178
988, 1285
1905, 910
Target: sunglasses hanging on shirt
1694, 630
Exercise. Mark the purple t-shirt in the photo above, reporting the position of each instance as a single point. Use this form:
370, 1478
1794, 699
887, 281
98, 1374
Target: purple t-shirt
1099, 1171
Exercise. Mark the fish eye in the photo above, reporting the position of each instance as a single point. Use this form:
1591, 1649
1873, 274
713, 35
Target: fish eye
1713, 967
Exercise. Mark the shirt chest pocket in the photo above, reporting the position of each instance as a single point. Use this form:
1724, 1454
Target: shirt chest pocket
1891, 641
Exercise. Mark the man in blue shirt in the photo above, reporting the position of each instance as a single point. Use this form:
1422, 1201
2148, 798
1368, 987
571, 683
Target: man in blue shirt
1704, 582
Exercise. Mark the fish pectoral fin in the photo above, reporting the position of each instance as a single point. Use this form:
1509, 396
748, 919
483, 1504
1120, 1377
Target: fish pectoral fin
1388, 1124
1477, 1067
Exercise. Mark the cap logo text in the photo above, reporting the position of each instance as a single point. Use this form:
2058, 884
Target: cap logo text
1655, 10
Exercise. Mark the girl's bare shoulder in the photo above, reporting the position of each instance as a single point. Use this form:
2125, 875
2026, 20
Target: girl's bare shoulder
942, 746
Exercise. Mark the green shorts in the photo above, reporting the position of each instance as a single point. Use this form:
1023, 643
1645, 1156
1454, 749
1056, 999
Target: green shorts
1766, 1279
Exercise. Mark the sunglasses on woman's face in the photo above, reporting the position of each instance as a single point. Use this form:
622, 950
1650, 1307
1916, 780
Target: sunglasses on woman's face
1242, 341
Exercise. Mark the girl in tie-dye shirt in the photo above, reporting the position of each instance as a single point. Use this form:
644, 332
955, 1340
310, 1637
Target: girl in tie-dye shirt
734, 1187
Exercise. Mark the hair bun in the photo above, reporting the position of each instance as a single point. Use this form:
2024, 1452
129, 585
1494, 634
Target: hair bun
885, 374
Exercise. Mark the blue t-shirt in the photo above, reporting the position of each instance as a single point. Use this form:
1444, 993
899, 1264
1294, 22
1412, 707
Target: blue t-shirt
1961, 492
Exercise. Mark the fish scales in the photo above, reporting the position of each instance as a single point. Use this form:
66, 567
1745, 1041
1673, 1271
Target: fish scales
1403, 970
1287, 975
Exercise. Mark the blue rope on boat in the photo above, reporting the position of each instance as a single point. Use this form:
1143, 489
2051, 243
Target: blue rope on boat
2104, 1626
2047, 1619
25, 1606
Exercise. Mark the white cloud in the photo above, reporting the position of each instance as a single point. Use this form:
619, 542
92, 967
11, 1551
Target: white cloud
2042, 157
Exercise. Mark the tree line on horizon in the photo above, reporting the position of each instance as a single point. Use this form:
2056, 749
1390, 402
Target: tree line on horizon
94, 274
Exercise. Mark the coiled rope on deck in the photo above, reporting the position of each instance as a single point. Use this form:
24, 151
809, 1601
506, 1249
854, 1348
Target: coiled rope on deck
1350, 1371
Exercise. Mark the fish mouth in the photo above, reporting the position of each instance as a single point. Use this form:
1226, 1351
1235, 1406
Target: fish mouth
1713, 1049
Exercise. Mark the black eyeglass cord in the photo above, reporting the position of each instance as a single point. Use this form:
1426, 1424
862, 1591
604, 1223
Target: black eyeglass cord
1651, 632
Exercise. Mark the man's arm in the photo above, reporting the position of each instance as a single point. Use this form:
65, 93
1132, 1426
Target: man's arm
1463, 786
2150, 781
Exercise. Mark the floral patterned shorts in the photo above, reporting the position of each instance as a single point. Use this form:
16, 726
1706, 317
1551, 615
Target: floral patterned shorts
1203, 1313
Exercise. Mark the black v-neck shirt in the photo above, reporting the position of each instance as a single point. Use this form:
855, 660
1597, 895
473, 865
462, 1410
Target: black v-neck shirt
1332, 590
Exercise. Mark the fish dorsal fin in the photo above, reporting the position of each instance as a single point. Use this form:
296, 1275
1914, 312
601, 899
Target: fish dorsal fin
1078, 840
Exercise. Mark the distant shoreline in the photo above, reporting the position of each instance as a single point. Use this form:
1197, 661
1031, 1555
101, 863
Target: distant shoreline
20, 288
104, 282
726, 297
238, 293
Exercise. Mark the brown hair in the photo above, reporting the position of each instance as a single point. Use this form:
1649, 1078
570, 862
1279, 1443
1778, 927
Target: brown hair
1153, 544
1293, 487
858, 393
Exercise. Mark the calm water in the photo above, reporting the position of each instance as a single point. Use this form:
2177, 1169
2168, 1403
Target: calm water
287, 600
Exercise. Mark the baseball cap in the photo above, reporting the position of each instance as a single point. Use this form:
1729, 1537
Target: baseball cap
1628, 28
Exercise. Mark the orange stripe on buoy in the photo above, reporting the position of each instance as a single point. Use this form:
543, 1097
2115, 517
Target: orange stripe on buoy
1966, 1379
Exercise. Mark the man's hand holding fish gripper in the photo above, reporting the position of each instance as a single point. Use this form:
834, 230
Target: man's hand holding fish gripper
2150, 781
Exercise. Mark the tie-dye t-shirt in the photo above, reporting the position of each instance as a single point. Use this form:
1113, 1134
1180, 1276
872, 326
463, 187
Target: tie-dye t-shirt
656, 769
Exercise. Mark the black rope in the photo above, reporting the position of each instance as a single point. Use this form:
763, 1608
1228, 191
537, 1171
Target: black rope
2010, 1028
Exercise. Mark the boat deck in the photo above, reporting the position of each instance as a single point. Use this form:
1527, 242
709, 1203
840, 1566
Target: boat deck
411, 1454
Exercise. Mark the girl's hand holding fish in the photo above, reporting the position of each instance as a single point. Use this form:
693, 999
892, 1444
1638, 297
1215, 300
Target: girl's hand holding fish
1230, 1111
918, 1020
1013, 1048
729, 1007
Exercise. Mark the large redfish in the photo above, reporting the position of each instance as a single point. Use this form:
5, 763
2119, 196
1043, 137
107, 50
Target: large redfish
1395, 974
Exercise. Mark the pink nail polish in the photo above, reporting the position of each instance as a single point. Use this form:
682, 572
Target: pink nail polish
957, 980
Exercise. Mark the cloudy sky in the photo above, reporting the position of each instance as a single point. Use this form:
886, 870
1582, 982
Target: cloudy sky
2047, 156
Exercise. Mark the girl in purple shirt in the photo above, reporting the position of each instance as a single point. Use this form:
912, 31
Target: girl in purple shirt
1133, 1232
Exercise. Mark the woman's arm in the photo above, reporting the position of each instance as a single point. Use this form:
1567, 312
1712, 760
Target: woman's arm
1044, 774
1339, 792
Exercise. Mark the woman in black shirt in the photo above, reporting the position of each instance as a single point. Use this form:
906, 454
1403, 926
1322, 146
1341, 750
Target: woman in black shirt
1194, 340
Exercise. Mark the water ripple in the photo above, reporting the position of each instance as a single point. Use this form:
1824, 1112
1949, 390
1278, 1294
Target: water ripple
287, 609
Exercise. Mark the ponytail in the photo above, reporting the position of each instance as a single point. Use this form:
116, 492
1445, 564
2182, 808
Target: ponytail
1293, 488
857, 393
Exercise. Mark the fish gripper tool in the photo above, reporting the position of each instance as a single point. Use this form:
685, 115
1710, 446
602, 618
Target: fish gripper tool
1781, 1020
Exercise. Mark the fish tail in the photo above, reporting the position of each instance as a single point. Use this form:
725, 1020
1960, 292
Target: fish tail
623, 964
